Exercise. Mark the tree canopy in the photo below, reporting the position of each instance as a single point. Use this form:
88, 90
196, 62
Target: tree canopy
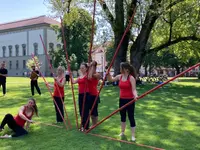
77, 28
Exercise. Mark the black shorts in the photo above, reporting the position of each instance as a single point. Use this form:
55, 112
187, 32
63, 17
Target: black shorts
91, 99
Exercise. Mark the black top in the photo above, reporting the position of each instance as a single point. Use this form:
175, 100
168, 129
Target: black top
4, 72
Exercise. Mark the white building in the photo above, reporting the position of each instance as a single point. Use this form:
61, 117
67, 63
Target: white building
19, 39
98, 54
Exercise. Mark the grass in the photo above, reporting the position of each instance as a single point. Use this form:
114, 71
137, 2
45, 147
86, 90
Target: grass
167, 118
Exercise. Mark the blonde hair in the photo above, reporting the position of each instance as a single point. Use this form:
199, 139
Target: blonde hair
61, 69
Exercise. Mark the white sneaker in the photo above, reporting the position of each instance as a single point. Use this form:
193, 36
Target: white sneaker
133, 139
121, 134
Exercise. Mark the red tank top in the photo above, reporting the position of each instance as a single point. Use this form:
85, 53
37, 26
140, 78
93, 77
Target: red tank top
125, 88
82, 85
57, 88
21, 121
92, 86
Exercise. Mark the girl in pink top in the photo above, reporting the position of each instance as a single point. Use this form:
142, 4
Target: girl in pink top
17, 123
127, 85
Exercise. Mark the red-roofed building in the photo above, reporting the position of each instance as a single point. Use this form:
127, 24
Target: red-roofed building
19, 39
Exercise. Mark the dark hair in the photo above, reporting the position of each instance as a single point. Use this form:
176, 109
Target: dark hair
84, 64
95, 63
35, 106
131, 69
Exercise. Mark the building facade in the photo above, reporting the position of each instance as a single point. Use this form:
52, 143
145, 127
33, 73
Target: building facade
20, 39
98, 54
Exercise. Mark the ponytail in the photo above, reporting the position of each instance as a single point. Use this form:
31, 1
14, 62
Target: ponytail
132, 71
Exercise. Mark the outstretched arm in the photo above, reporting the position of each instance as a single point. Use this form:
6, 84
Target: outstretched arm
113, 79
73, 81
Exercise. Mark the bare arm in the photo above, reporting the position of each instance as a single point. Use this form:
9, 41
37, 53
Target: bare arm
74, 81
27, 125
23, 116
133, 84
113, 79
5, 75
96, 76
62, 84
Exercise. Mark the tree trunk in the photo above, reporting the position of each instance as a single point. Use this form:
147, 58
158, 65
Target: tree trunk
177, 70
121, 56
145, 70
137, 51
118, 33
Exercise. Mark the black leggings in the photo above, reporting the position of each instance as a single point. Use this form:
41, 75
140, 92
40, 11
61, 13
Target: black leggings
60, 106
34, 83
86, 109
91, 99
3, 86
130, 109
9, 120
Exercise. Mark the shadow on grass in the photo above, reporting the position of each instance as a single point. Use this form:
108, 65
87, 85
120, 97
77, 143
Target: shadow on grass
167, 118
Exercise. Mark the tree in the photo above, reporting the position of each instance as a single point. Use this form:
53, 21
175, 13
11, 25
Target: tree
169, 59
77, 30
165, 22
30, 62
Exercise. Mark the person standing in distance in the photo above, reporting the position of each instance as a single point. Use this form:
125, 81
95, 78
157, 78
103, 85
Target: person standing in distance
34, 83
3, 75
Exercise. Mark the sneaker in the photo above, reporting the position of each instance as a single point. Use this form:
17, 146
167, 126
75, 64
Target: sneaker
122, 134
133, 139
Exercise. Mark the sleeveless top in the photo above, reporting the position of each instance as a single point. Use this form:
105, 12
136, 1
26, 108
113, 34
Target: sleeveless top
21, 122
92, 86
125, 88
82, 85
57, 88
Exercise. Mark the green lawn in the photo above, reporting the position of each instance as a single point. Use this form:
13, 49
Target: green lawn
167, 118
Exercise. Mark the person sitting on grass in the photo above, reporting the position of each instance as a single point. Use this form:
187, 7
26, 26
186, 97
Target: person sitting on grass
17, 123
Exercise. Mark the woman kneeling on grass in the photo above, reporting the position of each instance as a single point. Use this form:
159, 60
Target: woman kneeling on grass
17, 123
127, 85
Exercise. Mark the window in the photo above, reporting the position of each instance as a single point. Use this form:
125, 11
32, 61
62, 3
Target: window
17, 50
10, 50
4, 51
24, 64
24, 49
10, 64
51, 46
58, 46
17, 64
35, 45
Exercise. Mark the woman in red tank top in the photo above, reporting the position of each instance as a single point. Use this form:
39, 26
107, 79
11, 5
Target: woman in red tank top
83, 90
17, 123
93, 80
58, 94
127, 85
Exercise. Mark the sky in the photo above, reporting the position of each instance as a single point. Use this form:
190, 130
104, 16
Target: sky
12, 10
